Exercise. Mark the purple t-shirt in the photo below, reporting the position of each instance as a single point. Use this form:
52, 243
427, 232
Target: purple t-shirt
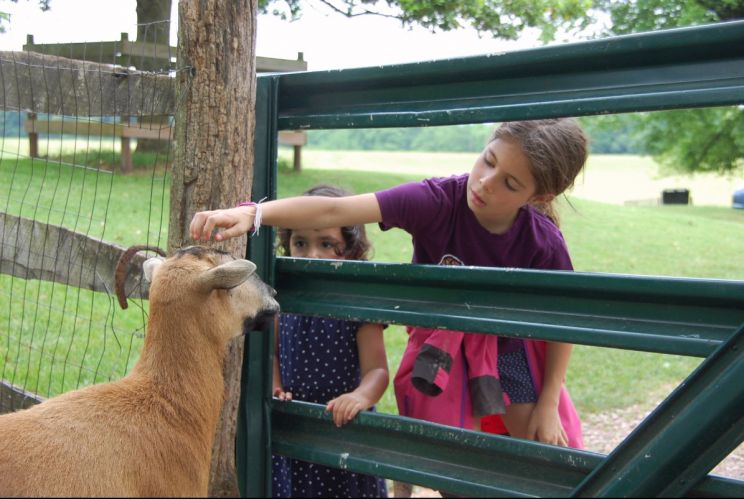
445, 231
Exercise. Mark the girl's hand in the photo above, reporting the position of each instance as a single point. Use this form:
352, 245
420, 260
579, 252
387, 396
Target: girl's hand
545, 426
281, 394
345, 407
235, 221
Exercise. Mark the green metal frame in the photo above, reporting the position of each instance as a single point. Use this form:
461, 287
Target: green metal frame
674, 449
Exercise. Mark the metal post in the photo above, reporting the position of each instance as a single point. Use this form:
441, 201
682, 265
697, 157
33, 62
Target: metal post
254, 428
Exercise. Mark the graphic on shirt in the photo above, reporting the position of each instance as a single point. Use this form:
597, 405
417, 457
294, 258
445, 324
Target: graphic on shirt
450, 260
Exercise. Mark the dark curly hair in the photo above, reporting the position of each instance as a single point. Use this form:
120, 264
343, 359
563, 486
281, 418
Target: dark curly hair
356, 245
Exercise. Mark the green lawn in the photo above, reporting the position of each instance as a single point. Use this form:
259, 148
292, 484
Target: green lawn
99, 341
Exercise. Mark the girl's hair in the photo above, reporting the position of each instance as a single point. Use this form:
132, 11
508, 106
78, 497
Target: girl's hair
356, 245
556, 150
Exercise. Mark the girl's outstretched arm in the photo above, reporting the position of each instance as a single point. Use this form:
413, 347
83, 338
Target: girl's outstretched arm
301, 212
374, 371
545, 423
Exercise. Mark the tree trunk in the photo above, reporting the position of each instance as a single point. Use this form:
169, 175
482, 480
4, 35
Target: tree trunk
153, 26
213, 168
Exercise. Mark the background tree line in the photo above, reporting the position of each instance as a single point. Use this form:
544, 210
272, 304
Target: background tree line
690, 140
606, 138
617, 137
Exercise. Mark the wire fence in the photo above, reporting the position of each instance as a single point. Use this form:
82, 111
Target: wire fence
85, 153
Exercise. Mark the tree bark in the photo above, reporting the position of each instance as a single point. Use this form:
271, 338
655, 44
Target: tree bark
216, 86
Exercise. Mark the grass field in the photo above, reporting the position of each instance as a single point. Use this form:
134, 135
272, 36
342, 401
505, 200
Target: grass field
603, 233
608, 178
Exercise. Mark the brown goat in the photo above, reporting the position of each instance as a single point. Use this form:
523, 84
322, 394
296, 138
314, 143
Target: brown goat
150, 433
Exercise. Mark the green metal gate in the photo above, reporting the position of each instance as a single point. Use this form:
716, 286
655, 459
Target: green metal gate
672, 451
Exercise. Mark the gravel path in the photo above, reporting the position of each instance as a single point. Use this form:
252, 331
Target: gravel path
604, 431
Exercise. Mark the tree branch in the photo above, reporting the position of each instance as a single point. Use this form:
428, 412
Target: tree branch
349, 13
724, 130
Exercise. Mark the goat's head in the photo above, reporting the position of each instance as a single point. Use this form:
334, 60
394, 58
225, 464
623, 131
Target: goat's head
213, 286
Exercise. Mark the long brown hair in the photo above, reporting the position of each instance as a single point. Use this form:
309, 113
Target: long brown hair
356, 244
556, 150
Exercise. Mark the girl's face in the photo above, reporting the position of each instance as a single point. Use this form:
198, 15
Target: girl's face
499, 184
317, 243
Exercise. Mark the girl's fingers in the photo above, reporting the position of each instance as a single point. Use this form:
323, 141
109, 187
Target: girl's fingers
216, 219
282, 395
352, 412
336, 412
195, 227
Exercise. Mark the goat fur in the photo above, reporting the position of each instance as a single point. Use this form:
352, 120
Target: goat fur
151, 432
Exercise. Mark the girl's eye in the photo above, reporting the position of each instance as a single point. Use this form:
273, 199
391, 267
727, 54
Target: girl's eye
299, 244
327, 245
487, 161
509, 185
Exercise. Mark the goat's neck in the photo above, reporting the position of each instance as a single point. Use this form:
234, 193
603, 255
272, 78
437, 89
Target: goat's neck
178, 357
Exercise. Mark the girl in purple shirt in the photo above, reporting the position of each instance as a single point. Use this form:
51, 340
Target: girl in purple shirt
499, 215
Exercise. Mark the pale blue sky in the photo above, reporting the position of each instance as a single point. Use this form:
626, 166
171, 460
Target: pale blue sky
328, 40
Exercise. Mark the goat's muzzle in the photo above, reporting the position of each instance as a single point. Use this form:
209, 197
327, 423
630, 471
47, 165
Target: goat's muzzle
260, 322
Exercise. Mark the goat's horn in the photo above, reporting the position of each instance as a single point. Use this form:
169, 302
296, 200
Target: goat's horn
121, 269
228, 275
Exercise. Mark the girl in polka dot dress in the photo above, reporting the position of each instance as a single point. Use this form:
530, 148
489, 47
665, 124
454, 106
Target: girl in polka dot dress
335, 362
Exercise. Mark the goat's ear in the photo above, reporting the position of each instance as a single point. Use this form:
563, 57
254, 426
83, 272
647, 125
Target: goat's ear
228, 275
150, 265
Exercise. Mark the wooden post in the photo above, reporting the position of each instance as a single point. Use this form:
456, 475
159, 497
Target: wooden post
297, 158
122, 58
33, 137
126, 149
297, 163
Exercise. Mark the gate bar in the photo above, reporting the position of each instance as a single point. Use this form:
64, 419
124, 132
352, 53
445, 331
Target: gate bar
657, 314
678, 68
688, 434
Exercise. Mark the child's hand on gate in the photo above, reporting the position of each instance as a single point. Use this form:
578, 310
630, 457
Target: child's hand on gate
281, 394
545, 426
345, 407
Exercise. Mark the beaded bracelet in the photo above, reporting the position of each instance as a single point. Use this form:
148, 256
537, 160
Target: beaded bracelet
256, 218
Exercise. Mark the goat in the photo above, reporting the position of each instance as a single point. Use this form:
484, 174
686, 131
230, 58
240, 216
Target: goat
151, 432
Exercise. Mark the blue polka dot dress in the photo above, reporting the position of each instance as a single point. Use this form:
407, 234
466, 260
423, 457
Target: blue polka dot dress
319, 361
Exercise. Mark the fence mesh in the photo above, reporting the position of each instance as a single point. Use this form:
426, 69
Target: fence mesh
85, 152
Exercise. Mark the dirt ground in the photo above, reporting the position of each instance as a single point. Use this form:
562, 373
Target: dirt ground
604, 431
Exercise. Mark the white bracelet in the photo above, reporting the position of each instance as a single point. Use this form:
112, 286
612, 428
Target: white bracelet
257, 219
